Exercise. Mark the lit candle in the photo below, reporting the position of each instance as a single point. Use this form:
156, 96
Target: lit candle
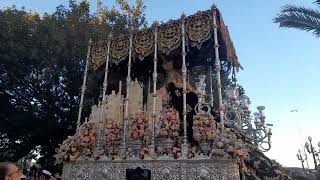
120, 87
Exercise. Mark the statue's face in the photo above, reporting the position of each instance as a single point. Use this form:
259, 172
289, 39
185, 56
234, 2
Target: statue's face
167, 65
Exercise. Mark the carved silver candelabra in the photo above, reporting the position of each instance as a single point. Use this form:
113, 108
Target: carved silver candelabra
238, 115
202, 105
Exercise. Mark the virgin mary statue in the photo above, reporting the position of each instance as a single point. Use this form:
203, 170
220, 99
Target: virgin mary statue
171, 95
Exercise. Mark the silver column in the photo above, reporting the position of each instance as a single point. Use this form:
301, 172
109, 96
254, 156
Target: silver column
218, 66
154, 95
83, 87
184, 146
128, 80
106, 71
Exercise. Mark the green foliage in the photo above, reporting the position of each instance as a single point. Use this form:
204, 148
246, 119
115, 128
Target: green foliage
41, 70
300, 18
135, 13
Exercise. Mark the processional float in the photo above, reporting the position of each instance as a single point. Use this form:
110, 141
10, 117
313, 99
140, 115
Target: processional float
177, 118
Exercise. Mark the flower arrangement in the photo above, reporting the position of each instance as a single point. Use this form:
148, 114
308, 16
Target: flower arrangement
204, 127
87, 135
87, 140
67, 151
169, 123
229, 143
138, 126
113, 133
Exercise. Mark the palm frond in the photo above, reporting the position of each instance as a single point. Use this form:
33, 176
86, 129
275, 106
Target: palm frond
317, 2
303, 10
299, 18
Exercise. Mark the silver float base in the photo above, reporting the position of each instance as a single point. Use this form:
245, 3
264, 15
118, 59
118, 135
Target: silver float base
160, 169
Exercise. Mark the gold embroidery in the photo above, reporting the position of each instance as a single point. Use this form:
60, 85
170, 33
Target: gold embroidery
99, 53
199, 28
119, 48
143, 43
169, 36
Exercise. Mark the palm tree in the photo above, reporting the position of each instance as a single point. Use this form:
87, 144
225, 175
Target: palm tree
302, 18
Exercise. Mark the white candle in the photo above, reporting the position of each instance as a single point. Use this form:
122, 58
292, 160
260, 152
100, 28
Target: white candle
120, 87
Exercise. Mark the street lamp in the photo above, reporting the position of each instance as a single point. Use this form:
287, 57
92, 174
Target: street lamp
318, 154
300, 157
306, 158
310, 149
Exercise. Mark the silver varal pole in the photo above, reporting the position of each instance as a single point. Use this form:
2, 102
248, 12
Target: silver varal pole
103, 103
184, 146
106, 71
218, 66
83, 87
128, 80
105, 82
154, 95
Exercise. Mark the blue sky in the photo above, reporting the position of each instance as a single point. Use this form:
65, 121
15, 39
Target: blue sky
281, 66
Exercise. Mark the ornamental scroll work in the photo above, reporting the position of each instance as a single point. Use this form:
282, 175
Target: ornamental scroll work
119, 48
143, 43
99, 53
169, 36
199, 28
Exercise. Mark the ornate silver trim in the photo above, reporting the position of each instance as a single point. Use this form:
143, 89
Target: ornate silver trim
160, 169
